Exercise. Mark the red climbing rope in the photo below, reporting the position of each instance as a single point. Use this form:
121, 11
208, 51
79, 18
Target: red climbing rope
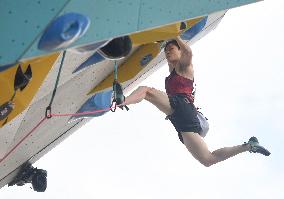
52, 115
33, 129
82, 113
49, 115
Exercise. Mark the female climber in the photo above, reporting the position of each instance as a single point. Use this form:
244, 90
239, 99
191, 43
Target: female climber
178, 105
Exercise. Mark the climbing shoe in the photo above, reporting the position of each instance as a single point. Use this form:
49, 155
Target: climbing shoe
256, 148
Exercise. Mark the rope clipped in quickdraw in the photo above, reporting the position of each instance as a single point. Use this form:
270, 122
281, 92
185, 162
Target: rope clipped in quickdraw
48, 108
118, 97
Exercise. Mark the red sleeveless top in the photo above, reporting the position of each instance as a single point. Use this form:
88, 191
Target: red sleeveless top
177, 84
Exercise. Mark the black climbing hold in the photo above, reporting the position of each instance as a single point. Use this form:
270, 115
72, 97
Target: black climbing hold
6, 109
182, 26
22, 79
117, 48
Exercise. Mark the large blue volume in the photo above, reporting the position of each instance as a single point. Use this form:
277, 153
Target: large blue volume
194, 30
63, 31
99, 101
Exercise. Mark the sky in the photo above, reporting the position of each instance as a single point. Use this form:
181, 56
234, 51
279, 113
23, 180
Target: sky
137, 155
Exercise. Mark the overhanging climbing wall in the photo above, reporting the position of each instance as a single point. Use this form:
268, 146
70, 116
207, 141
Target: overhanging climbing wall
109, 19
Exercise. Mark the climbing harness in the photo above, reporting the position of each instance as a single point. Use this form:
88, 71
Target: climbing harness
118, 97
203, 121
48, 114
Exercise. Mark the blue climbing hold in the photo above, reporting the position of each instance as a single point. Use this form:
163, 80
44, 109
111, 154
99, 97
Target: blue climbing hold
146, 60
100, 101
194, 30
63, 31
93, 59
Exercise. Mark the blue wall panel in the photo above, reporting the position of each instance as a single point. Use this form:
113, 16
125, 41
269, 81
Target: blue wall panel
109, 19
21, 22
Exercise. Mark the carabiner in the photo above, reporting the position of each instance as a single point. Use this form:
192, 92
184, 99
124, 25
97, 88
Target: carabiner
113, 106
48, 112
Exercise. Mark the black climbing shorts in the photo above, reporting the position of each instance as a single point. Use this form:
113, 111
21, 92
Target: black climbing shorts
184, 117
